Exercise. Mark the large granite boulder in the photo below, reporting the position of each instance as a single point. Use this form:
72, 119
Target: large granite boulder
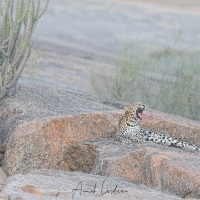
38, 124
59, 185
35, 103
170, 169
45, 128
45, 143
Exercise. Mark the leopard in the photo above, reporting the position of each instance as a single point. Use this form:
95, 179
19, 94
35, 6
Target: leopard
129, 130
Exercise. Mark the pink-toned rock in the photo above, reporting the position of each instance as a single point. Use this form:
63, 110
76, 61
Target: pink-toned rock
177, 127
78, 158
59, 185
175, 172
32, 190
56, 130
45, 143
165, 168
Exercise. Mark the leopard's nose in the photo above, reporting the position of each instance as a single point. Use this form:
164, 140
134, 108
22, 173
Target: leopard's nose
143, 107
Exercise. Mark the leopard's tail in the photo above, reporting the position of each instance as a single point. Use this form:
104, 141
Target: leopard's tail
186, 145
169, 141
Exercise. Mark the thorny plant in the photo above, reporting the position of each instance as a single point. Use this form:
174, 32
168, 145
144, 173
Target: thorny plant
18, 19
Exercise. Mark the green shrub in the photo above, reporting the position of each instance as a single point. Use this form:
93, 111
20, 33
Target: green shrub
18, 19
180, 94
121, 81
167, 79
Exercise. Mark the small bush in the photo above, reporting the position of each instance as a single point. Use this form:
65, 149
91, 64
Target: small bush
18, 19
167, 79
121, 81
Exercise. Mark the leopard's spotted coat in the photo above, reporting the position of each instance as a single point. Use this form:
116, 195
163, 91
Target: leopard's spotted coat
129, 130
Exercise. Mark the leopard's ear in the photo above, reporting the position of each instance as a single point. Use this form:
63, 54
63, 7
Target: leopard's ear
127, 108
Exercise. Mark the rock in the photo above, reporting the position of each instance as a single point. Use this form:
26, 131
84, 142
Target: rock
38, 102
170, 169
2, 148
38, 122
178, 127
52, 185
1, 158
3, 196
1, 155
79, 158
2, 178
46, 128
2, 151
44, 143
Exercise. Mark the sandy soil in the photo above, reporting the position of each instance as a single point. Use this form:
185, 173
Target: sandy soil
73, 36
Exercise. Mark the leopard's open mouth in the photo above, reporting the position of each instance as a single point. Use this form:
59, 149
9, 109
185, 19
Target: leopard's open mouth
139, 112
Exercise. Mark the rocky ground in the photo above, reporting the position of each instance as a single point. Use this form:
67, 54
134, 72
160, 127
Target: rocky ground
59, 145
74, 37
50, 185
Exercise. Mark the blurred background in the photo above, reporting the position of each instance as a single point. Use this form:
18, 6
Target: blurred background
124, 50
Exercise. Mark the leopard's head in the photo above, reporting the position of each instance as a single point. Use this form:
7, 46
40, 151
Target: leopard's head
135, 111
